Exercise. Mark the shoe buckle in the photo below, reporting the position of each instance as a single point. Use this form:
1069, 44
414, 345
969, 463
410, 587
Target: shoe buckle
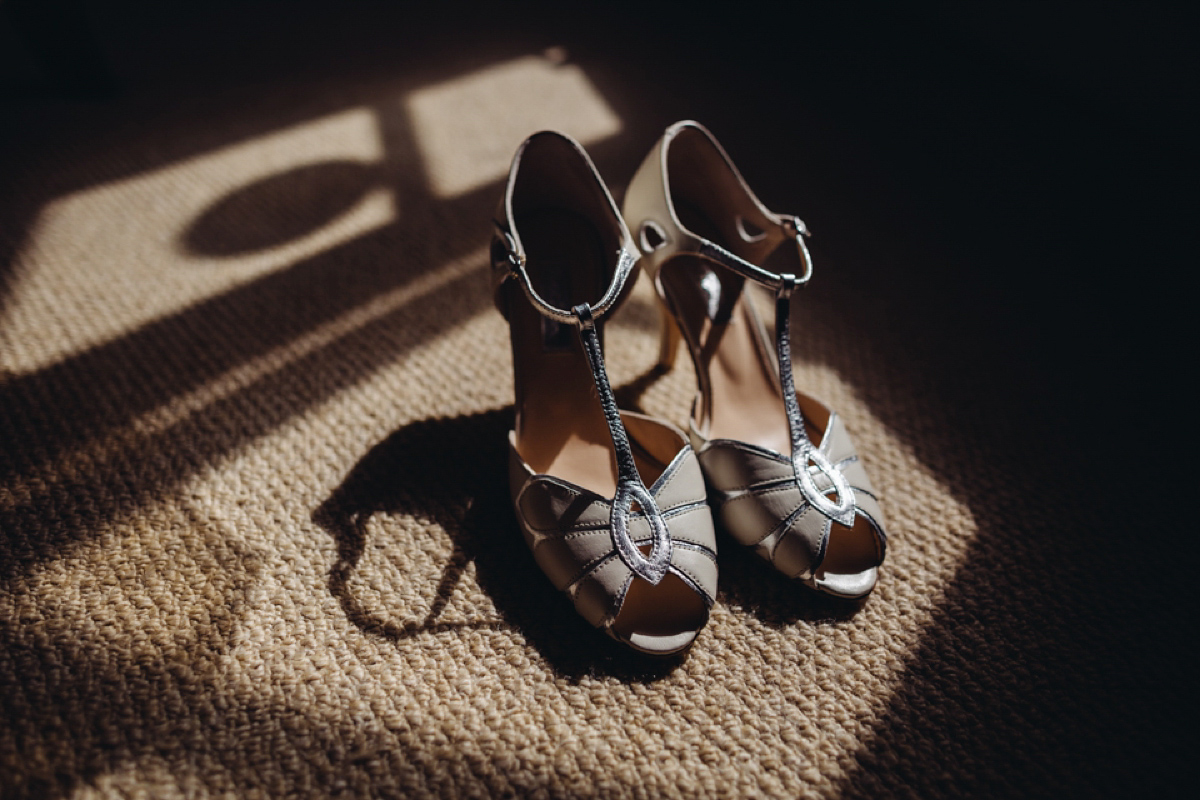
516, 259
796, 228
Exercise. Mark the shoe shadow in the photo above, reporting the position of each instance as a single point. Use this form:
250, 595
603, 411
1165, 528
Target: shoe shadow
453, 472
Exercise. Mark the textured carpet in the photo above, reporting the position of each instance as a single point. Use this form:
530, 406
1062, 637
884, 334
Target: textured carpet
255, 537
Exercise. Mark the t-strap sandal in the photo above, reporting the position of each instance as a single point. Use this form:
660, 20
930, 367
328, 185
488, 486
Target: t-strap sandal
612, 503
783, 474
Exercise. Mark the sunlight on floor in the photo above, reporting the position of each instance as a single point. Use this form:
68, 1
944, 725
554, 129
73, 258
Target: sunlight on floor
468, 128
121, 246
101, 449
141, 248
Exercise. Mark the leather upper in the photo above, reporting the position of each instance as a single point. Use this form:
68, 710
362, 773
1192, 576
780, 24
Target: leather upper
568, 529
759, 501
784, 505
596, 548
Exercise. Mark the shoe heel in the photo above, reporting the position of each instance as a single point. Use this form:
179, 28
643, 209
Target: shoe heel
668, 343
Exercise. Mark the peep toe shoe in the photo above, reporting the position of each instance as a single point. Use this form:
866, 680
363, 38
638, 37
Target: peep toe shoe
612, 503
783, 475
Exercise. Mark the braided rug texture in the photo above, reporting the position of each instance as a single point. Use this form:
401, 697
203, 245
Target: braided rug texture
255, 535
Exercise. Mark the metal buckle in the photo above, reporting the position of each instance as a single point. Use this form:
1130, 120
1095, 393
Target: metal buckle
799, 231
515, 260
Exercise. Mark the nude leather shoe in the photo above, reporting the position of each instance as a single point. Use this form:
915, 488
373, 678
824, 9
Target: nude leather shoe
612, 503
784, 477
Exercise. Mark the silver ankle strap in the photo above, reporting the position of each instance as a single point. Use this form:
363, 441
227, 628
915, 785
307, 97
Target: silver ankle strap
511, 263
793, 226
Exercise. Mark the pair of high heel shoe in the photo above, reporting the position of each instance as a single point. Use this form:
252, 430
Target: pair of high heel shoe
618, 507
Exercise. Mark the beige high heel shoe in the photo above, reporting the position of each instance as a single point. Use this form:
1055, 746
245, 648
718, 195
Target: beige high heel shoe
783, 475
612, 503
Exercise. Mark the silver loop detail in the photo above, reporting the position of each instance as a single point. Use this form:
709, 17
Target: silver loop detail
797, 226
843, 510
787, 285
629, 482
803, 450
515, 258
654, 568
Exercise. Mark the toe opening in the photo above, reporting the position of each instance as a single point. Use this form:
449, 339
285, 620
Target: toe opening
851, 558
660, 618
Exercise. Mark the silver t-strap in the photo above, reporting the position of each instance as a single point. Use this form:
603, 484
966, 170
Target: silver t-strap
629, 482
804, 452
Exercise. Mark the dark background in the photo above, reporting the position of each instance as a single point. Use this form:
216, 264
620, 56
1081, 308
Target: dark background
1029, 160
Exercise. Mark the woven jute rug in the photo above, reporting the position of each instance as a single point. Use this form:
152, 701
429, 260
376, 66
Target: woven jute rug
255, 535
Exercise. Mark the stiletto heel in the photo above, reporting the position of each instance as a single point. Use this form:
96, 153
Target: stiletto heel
612, 503
670, 336
783, 475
